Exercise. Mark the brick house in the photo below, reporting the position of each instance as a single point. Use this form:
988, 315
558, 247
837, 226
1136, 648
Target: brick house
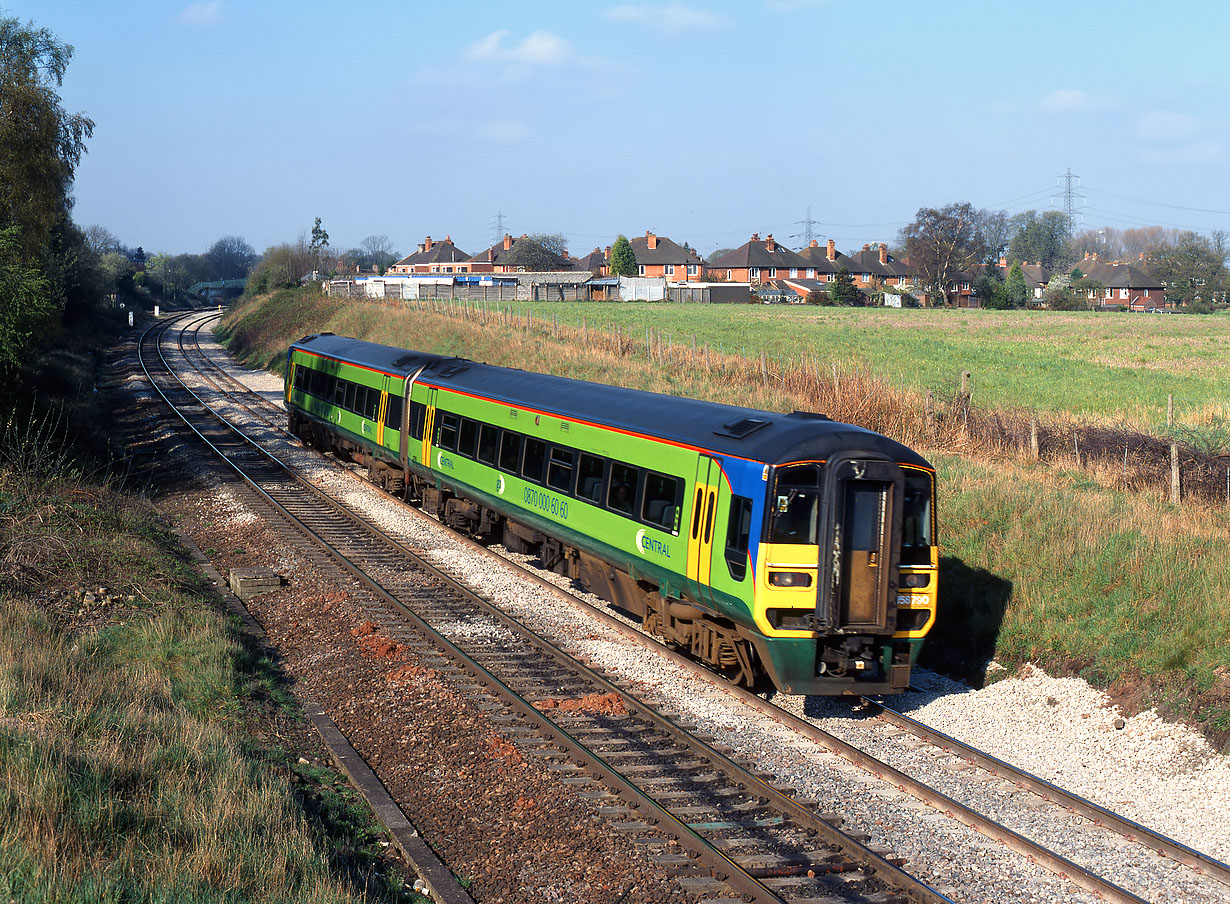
497, 258
1124, 284
433, 257
875, 267
823, 263
659, 256
597, 262
759, 260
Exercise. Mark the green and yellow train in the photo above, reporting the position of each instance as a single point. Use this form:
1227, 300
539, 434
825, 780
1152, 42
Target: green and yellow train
780, 546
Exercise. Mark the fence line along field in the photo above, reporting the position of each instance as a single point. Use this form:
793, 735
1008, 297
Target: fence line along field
1070, 567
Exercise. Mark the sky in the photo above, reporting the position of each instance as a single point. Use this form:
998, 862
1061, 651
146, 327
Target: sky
703, 122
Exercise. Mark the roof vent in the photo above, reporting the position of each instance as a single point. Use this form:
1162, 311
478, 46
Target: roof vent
453, 367
810, 415
404, 361
742, 428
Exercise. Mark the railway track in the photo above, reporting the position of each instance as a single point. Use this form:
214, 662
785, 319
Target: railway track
785, 859
736, 833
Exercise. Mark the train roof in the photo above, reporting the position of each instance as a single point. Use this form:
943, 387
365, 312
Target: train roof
764, 436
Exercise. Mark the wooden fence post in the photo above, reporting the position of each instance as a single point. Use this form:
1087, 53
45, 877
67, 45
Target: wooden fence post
1174, 474
1169, 411
1033, 436
929, 411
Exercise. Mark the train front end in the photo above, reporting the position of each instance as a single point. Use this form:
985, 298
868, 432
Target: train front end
847, 573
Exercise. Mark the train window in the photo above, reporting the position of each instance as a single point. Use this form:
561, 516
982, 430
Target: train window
418, 414
590, 472
373, 404
796, 505
916, 522
738, 532
447, 434
510, 451
621, 497
392, 412
319, 385
467, 440
352, 390
339, 393
488, 443
559, 469
535, 460
302, 376
660, 503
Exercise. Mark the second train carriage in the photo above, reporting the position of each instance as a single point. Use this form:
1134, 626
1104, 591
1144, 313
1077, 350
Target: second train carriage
789, 546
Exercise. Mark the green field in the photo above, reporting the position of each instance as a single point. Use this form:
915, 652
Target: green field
1105, 366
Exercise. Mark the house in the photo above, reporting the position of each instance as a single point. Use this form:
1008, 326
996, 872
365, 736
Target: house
597, 262
434, 257
500, 258
875, 267
659, 256
823, 263
758, 260
1123, 284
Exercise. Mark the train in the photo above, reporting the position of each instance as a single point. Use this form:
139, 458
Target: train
782, 548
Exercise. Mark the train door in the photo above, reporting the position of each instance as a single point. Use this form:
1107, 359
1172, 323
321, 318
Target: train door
382, 410
863, 533
429, 426
702, 526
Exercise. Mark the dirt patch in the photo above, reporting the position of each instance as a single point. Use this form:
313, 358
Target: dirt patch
611, 704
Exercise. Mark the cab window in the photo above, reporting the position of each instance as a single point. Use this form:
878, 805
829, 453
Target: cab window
796, 505
916, 522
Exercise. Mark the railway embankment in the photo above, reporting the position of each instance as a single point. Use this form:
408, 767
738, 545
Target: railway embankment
148, 749
1052, 561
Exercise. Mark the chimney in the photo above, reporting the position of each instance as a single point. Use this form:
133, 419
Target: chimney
814, 244
1086, 255
883, 253
1142, 257
866, 247
831, 253
651, 240
448, 239
769, 244
490, 255
427, 243
755, 236
1003, 262
606, 253
507, 241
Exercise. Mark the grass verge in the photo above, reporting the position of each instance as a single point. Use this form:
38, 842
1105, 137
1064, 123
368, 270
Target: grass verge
1040, 562
129, 766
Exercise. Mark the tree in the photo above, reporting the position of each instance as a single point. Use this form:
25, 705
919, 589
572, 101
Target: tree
842, 290
40, 143
1191, 267
539, 252
379, 252
1013, 293
230, 258
1041, 238
320, 243
943, 242
28, 310
281, 266
623, 259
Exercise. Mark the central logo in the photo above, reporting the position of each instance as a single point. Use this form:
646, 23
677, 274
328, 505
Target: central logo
499, 485
640, 540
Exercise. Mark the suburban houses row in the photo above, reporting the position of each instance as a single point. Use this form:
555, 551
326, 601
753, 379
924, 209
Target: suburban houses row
762, 268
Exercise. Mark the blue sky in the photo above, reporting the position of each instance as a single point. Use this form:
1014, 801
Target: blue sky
703, 122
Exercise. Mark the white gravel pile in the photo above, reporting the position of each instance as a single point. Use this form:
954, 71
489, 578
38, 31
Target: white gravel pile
1157, 773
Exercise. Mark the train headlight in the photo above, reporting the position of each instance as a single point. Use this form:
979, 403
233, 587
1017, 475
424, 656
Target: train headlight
789, 579
915, 580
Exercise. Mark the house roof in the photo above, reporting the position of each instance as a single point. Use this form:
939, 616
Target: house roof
1118, 276
442, 252
595, 260
664, 251
759, 253
817, 257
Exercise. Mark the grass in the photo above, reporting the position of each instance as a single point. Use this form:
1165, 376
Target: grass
128, 767
1040, 562
1117, 367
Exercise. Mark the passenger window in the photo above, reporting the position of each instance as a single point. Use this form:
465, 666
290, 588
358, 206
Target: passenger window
318, 385
510, 451
339, 394
468, 439
796, 506
488, 443
559, 471
373, 404
622, 494
447, 438
418, 414
535, 460
659, 505
589, 478
352, 389
392, 412
738, 533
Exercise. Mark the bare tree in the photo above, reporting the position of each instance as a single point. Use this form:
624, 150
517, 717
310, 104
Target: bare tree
230, 257
943, 242
379, 252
